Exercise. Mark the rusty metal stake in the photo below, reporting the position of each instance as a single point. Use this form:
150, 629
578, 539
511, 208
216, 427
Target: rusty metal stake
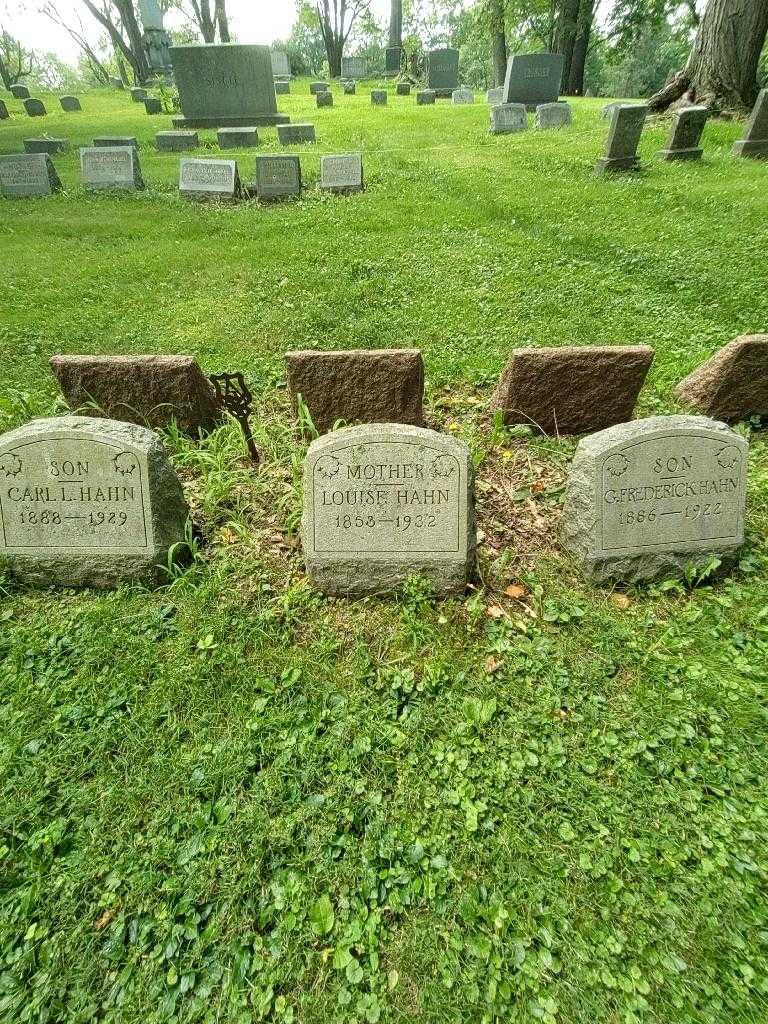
233, 395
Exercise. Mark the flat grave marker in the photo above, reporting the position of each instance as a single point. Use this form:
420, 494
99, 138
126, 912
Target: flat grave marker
209, 179
342, 173
116, 140
277, 177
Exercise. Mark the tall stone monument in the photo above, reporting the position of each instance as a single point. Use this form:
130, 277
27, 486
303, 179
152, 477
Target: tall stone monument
533, 79
157, 42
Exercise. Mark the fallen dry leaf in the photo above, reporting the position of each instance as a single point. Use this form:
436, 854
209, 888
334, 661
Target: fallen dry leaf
104, 919
620, 601
516, 591
492, 665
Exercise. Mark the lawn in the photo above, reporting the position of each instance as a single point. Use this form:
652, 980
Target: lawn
233, 799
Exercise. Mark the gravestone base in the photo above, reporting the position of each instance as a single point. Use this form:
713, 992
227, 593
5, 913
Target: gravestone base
681, 154
755, 148
617, 163
257, 121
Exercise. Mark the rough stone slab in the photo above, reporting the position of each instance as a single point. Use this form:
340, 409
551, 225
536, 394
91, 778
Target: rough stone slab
277, 177
238, 138
652, 498
684, 138
87, 502
379, 97
553, 115
35, 108
292, 134
19, 92
153, 105
386, 502
324, 98
507, 118
573, 389
176, 141
533, 79
403, 89
733, 384
49, 146
70, 104
342, 173
209, 179
365, 385
462, 96
425, 97
149, 390
316, 87
4, 115
627, 121
116, 140
111, 168
755, 141
24, 175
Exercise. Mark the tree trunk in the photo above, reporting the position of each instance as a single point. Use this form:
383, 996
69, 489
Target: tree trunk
396, 23
565, 37
222, 21
498, 41
135, 35
205, 21
580, 48
132, 52
721, 72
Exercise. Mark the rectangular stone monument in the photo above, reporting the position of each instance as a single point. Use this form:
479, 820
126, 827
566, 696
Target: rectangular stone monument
316, 87
277, 177
324, 98
87, 502
292, 134
425, 97
35, 108
443, 71
732, 385
393, 58
687, 127
366, 385
70, 104
461, 96
495, 96
755, 141
385, 502
507, 118
354, 67
225, 85
237, 138
150, 390
343, 173
403, 89
116, 140
49, 146
281, 65
112, 167
19, 92
654, 497
138, 95
28, 174
282, 88
533, 78
379, 97
178, 141
553, 115
209, 179
627, 121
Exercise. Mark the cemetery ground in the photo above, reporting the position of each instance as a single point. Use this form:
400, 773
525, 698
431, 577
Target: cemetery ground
233, 798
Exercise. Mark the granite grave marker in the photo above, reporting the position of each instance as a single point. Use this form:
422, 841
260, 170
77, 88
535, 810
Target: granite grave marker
379, 97
350, 88
281, 65
443, 71
112, 167
461, 96
277, 177
755, 141
533, 78
209, 179
28, 174
237, 138
35, 108
733, 384
138, 95
153, 105
324, 98
553, 115
425, 97
507, 118
495, 96
4, 115
282, 88
316, 87
46, 145
403, 89
291, 134
70, 104
116, 140
687, 127
627, 121
354, 67
19, 92
177, 141
342, 173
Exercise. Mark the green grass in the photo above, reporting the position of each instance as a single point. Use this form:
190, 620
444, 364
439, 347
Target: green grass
232, 798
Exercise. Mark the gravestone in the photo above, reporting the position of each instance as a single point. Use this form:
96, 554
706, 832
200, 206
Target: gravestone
237, 138
755, 141
533, 79
366, 385
316, 87
35, 108
379, 97
28, 174
684, 138
354, 67
393, 58
176, 141
19, 92
350, 88
425, 97
384, 502
152, 105
49, 146
733, 384
443, 71
343, 173
4, 115
70, 104
553, 115
87, 502
112, 167
116, 140
507, 118
282, 88
150, 390
281, 65
117, 83
291, 134
324, 98
403, 89
138, 95
225, 85
277, 177
609, 108
573, 389
209, 179
495, 96
653, 497
626, 127
461, 96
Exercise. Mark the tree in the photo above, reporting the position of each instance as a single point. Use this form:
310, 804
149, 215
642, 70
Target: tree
721, 72
337, 18
573, 27
97, 69
498, 40
15, 61
119, 18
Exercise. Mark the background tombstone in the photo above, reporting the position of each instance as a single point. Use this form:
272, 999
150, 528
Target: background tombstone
507, 118
35, 108
624, 134
19, 92
350, 88
277, 177
316, 87
393, 57
533, 78
383, 502
281, 65
654, 497
354, 67
324, 98
733, 384
176, 141
403, 89
495, 96
87, 502
755, 141
572, 389
4, 115
28, 174
460, 96
153, 105
684, 138
290, 134
70, 104
225, 85
49, 146
553, 115
112, 167
425, 97
443, 71
117, 83
379, 97
150, 390
237, 138
116, 140
138, 95
343, 173
209, 179
366, 385
282, 88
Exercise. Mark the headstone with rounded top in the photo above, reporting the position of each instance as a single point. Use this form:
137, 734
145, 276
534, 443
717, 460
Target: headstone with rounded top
627, 121
46, 145
19, 92
755, 141
70, 104
687, 127
28, 174
507, 118
111, 168
553, 115
35, 108
292, 134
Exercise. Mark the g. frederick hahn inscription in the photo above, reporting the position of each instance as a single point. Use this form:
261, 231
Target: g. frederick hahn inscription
384, 502
654, 496
87, 501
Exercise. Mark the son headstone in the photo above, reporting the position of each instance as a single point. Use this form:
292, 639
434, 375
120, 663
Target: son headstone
626, 127
533, 78
177, 141
49, 146
379, 97
656, 497
755, 142
209, 179
87, 502
460, 96
28, 174
683, 141
237, 138
343, 173
443, 71
425, 97
35, 108
277, 177
70, 104
291, 134
19, 92
113, 167
733, 384
507, 118
553, 115
385, 502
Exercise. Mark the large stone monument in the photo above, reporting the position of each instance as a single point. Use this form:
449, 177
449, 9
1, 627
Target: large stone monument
87, 502
383, 502
225, 85
156, 41
656, 497
533, 79
443, 71
755, 142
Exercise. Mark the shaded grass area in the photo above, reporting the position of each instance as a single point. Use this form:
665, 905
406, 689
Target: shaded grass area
234, 799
